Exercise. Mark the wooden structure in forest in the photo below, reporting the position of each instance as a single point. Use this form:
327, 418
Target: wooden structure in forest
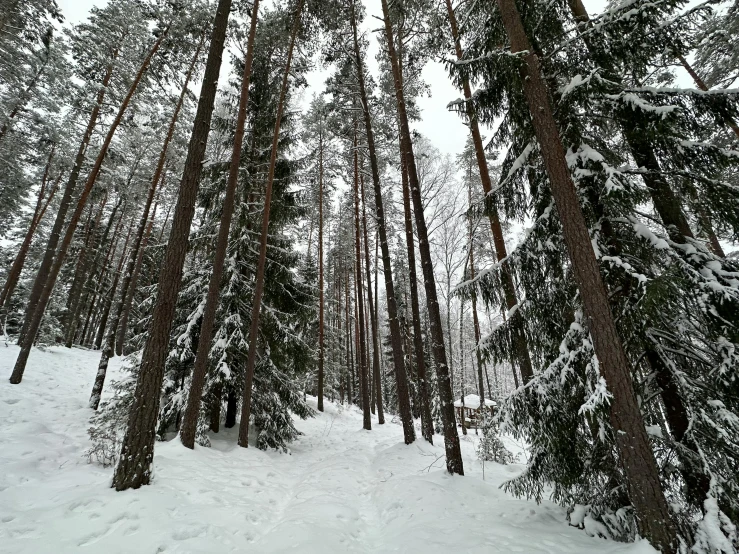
469, 412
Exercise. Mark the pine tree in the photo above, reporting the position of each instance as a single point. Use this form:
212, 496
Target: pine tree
134, 467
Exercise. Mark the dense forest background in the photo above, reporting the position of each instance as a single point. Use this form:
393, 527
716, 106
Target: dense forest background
239, 198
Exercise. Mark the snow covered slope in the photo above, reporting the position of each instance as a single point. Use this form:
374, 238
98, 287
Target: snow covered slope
341, 489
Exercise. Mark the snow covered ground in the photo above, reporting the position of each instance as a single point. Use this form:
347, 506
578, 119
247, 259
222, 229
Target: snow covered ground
342, 489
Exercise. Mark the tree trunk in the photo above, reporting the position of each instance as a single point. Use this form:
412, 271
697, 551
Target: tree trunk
107, 353
82, 270
261, 262
35, 320
396, 339
366, 405
108, 298
506, 271
25, 95
451, 438
20, 259
90, 276
215, 405
129, 287
320, 272
188, 427
427, 425
349, 349
134, 467
48, 259
373, 322
231, 409
637, 458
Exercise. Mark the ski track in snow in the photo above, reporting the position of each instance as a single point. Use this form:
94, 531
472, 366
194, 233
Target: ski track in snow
341, 489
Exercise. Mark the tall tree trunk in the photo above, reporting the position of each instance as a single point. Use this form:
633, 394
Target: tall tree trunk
506, 271
320, 271
427, 425
35, 321
451, 438
20, 259
396, 338
134, 467
366, 404
373, 321
668, 207
103, 269
476, 325
107, 299
56, 231
128, 288
261, 262
85, 268
349, 349
189, 424
107, 353
636, 456
475, 321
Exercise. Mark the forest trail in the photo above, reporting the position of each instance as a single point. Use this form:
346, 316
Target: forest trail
341, 489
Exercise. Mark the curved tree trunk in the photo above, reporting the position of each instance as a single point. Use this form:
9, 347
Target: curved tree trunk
107, 353
56, 231
20, 259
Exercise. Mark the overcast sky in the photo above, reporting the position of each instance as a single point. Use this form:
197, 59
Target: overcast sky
444, 128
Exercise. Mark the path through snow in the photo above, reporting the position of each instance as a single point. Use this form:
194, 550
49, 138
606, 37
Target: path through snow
342, 489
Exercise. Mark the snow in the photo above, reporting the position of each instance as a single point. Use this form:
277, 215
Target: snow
341, 489
473, 401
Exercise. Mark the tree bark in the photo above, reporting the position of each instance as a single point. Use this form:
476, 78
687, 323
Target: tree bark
451, 438
20, 259
701, 84
427, 425
373, 322
637, 458
396, 339
108, 298
261, 262
82, 269
56, 231
134, 467
35, 322
188, 427
107, 353
129, 286
320, 271
506, 271
366, 404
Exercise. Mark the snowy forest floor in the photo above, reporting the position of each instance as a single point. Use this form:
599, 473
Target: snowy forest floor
341, 489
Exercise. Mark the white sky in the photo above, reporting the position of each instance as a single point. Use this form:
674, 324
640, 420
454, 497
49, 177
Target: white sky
443, 128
